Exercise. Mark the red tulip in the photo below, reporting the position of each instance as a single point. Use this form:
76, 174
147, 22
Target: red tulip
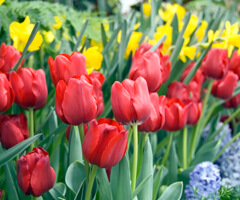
35, 176
68, 131
157, 117
6, 93
224, 88
215, 64
233, 102
76, 102
8, 57
105, 143
66, 66
235, 63
178, 90
13, 129
30, 87
131, 101
194, 111
98, 79
176, 114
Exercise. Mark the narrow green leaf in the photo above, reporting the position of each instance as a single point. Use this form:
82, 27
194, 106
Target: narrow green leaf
30, 39
103, 185
16, 150
173, 163
173, 192
162, 172
80, 36
141, 185
80, 192
57, 192
104, 37
174, 25
75, 176
45, 121
160, 41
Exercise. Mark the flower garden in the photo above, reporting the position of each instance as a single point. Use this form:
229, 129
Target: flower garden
119, 100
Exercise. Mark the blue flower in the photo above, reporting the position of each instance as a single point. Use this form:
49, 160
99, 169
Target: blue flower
205, 182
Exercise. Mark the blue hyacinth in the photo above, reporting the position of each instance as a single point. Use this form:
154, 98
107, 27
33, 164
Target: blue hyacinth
205, 182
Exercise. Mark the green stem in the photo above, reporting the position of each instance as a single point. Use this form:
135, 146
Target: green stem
129, 136
145, 138
135, 156
90, 183
197, 132
227, 145
165, 157
185, 136
209, 113
31, 125
86, 164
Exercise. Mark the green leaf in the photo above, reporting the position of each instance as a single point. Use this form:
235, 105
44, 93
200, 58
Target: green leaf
103, 185
173, 192
104, 37
80, 192
146, 171
173, 164
80, 36
141, 185
75, 146
174, 25
57, 192
75, 176
16, 150
30, 39
160, 41
162, 172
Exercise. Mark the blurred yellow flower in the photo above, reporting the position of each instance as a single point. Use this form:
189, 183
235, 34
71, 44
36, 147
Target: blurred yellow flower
170, 10
20, 32
1, 2
187, 51
96, 44
192, 25
48, 36
147, 9
93, 58
200, 33
58, 23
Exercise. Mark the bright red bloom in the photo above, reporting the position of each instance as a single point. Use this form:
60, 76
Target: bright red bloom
235, 63
157, 117
216, 63
224, 88
75, 101
13, 129
131, 101
178, 90
105, 143
194, 111
176, 114
8, 57
30, 87
35, 176
7, 95
233, 102
66, 66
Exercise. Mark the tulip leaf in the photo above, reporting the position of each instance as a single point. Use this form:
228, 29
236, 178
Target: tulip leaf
103, 185
173, 192
162, 172
80, 192
174, 25
146, 171
104, 37
160, 41
16, 150
120, 180
75, 176
79, 39
141, 186
57, 192
173, 164
75, 146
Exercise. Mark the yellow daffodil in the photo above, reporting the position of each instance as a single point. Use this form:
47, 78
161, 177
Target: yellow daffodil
187, 51
48, 36
200, 33
147, 9
94, 43
1, 2
192, 25
58, 23
136, 26
170, 10
93, 58
20, 32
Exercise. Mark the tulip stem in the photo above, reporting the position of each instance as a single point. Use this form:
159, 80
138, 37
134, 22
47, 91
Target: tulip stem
31, 125
185, 136
197, 132
135, 155
33, 198
145, 138
86, 164
165, 157
90, 183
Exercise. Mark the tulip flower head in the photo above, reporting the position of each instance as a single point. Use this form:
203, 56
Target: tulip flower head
233, 102
13, 129
235, 63
35, 176
105, 143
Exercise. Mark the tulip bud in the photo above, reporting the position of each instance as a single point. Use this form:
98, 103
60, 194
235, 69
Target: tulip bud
66, 66
30, 87
233, 102
224, 88
35, 176
6, 93
13, 129
235, 63
194, 111
105, 143
131, 101
215, 64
